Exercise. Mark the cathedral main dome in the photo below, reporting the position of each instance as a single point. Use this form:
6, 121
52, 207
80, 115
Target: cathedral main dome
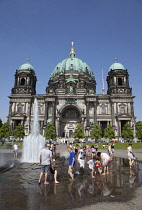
72, 64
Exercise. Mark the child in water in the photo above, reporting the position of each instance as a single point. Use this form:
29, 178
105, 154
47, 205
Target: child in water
98, 166
91, 166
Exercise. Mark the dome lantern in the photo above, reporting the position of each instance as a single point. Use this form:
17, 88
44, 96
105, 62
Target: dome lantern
72, 53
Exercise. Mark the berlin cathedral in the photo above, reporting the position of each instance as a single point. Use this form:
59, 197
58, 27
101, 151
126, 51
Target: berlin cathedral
71, 98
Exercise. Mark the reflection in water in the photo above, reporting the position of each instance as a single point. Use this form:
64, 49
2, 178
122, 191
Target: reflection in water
106, 187
132, 177
21, 183
81, 189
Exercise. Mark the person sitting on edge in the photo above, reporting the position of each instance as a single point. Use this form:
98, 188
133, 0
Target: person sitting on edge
45, 161
72, 163
131, 156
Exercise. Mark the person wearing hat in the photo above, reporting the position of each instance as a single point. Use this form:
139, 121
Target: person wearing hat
46, 162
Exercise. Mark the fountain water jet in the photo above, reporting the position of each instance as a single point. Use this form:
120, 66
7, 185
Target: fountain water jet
33, 143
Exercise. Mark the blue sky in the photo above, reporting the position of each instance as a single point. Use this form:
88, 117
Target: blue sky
42, 30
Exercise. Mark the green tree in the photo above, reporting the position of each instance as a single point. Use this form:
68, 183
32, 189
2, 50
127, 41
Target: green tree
78, 132
5, 130
50, 132
96, 132
0, 122
127, 132
19, 131
139, 130
109, 132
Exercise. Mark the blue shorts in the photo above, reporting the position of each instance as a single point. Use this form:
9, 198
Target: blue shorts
45, 169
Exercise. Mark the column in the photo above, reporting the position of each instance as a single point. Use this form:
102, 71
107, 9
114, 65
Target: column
95, 113
132, 109
53, 113
46, 113
112, 114
57, 127
87, 114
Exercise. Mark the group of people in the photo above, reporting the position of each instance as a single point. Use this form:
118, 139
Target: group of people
97, 162
47, 164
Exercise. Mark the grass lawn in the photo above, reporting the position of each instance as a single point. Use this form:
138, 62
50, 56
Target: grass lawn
120, 145
20, 144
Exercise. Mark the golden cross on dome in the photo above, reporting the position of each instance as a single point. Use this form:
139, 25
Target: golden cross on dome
115, 59
72, 43
72, 53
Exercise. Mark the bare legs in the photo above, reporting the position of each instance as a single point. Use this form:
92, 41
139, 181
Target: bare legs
105, 170
92, 173
131, 161
55, 177
70, 173
40, 177
15, 154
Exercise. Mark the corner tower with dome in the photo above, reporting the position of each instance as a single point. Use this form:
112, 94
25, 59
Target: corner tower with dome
71, 98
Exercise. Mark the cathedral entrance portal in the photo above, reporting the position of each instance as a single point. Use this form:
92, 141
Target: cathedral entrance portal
70, 118
70, 133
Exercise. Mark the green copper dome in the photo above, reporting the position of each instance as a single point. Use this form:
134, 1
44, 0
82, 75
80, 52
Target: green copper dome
26, 66
72, 64
115, 66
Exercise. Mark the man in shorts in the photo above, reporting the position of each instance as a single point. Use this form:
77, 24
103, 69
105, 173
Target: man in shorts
15, 150
46, 162
72, 163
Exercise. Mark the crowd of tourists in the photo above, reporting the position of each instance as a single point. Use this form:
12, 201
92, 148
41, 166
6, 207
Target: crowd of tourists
82, 156
96, 161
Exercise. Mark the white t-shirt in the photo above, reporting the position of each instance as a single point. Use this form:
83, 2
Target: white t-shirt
91, 164
46, 155
105, 158
15, 147
129, 149
80, 156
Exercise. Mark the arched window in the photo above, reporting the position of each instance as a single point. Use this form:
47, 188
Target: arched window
120, 81
19, 109
22, 81
50, 111
103, 109
122, 109
90, 111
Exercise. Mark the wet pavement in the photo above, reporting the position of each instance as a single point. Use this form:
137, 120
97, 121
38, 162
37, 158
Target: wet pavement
19, 188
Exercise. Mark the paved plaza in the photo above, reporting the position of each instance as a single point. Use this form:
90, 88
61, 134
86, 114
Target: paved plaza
130, 199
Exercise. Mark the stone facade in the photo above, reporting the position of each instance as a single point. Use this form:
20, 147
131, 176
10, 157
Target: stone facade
71, 98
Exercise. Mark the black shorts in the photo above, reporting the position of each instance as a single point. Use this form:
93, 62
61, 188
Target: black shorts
52, 170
